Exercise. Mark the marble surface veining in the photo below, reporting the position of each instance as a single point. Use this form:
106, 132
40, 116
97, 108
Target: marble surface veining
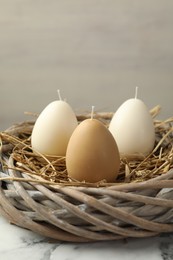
96, 52
23, 245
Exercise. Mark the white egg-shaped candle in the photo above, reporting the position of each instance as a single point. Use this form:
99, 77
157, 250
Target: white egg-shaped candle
133, 128
53, 129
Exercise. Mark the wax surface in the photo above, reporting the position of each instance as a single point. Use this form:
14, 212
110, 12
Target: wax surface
133, 128
92, 153
53, 129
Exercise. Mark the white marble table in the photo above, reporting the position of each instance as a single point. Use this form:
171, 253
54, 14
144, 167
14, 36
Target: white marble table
23, 244
96, 52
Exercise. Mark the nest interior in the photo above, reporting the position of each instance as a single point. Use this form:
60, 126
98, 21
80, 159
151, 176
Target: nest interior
37, 194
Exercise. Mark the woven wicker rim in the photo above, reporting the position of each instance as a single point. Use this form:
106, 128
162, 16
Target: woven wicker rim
86, 214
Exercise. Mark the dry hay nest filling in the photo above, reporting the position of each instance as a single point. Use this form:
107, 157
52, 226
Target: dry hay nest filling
36, 193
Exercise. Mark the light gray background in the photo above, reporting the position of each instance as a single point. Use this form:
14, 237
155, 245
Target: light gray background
94, 51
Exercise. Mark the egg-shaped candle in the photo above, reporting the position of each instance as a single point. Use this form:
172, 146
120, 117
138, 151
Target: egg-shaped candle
133, 128
53, 129
92, 153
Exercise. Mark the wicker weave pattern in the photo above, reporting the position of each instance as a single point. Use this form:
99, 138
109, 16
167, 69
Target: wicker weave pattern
82, 214
88, 214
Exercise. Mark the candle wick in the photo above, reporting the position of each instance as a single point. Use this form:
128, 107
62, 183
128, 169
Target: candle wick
92, 112
59, 95
136, 92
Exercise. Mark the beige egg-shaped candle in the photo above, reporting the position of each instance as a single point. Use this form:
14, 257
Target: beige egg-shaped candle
133, 128
92, 153
53, 129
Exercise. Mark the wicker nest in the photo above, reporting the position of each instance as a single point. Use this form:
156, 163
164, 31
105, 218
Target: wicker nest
37, 194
